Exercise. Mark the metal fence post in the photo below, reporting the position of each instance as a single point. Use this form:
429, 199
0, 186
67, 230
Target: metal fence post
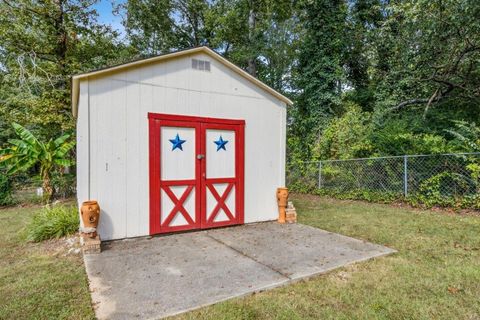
320, 175
405, 175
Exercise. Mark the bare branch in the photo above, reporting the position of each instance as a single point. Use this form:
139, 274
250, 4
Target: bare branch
434, 96
405, 103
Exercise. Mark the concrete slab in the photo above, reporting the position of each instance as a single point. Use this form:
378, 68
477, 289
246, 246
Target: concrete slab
295, 250
162, 276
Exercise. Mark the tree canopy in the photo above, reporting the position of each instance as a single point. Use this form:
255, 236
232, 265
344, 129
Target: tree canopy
367, 77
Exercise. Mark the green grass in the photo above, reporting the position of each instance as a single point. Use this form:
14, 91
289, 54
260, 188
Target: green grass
35, 283
435, 274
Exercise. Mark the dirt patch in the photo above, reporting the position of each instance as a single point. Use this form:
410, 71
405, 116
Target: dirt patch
66, 246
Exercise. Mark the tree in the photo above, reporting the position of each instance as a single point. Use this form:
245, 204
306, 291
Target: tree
434, 54
320, 72
255, 34
362, 23
259, 36
42, 43
156, 27
27, 151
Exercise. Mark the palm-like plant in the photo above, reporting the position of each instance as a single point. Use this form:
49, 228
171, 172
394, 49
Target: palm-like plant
28, 151
468, 134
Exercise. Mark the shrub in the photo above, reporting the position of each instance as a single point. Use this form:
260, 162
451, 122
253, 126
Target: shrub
445, 189
53, 222
346, 137
6, 190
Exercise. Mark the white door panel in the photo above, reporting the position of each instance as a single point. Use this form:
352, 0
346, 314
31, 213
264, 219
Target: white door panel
220, 153
177, 153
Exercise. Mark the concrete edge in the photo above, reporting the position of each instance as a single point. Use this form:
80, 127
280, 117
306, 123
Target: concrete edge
371, 257
91, 281
348, 237
239, 295
278, 284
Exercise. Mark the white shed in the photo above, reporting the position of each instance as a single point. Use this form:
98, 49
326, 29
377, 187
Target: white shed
181, 141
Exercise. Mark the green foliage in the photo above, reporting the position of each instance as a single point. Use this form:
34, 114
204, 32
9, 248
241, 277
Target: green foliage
466, 136
457, 186
259, 36
475, 170
42, 44
6, 190
347, 136
436, 191
355, 135
415, 65
368, 77
28, 151
64, 184
152, 30
359, 194
396, 139
432, 54
319, 72
53, 222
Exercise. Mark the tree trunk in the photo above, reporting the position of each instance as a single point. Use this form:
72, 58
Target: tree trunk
252, 64
47, 186
61, 33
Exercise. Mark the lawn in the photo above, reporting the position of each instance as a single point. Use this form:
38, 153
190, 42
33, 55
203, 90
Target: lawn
435, 274
39, 281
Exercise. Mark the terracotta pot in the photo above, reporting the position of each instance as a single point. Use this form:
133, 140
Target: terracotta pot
282, 199
90, 213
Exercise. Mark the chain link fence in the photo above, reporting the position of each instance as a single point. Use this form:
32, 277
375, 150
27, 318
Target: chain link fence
443, 180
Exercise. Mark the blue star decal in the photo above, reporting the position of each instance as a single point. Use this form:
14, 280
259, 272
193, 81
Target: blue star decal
177, 143
221, 143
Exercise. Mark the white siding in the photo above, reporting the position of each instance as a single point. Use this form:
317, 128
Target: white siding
82, 162
119, 105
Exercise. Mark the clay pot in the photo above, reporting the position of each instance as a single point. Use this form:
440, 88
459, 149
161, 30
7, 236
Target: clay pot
282, 199
90, 213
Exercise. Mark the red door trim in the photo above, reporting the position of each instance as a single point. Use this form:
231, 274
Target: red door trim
178, 206
174, 117
220, 202
154, 177
236, 181
157, 184
157, 120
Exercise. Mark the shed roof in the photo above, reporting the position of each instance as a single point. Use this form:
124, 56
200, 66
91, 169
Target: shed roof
101, 72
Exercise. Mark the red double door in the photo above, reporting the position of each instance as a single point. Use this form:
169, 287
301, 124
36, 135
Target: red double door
196, 172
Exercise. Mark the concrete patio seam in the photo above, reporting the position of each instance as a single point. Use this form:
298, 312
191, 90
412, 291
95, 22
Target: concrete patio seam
249, 257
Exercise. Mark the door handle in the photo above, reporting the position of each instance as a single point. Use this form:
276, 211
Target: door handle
200, 156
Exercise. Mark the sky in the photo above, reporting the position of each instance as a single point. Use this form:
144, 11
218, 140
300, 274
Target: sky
105, 14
